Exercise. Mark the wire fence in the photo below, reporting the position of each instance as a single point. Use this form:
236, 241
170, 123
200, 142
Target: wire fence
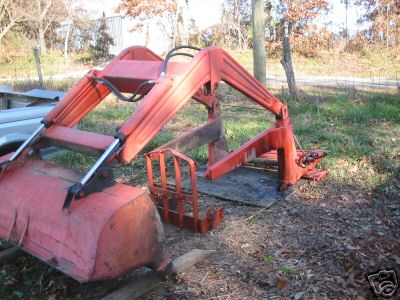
313, 77
309, 77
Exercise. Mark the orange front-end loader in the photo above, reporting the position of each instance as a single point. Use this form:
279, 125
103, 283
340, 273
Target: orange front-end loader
87, 225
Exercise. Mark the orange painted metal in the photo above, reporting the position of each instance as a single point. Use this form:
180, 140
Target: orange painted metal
59, 135
108, 233
172, 91
280, 138
164, 194
184, 80
102, 236
310, 172
86, 94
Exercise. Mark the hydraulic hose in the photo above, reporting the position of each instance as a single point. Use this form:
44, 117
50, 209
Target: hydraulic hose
171, 54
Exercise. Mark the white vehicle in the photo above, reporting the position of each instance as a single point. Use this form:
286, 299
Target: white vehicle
21, 113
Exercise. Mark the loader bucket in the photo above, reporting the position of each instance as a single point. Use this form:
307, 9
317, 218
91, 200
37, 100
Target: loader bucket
102, 236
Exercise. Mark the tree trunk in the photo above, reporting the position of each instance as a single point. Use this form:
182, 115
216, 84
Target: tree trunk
259, 55
42, 41
41, 23
239, 35
286, 62
347, 8
387, 25
175, 33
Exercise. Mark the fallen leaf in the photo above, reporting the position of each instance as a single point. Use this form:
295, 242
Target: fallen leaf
220, 282
351, 248
341, 281
344, 198
281, 283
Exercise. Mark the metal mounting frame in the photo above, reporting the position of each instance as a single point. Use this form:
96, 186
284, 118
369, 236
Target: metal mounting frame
165, 194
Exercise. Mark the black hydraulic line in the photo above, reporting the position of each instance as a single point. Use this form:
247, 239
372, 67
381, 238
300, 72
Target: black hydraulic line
171, 54
181, 54
118, 94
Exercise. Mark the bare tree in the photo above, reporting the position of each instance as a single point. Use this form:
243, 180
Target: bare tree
259, 40
287, 64
242, 40
44, 15
176, 23
237, 18
346, 28
12, 13
382, 18
295, 15
165, 13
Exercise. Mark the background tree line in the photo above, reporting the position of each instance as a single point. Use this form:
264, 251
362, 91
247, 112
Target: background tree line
27, 23
279, 26
38, 23
380, 19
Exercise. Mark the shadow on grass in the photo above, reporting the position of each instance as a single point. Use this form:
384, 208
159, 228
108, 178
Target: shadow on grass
333, 230
361, 136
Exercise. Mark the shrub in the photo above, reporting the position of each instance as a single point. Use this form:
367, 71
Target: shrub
100, 49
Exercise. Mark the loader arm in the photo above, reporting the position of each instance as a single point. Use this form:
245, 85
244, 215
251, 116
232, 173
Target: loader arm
87, 94
115, 228
170, 93
210, 66
170, 90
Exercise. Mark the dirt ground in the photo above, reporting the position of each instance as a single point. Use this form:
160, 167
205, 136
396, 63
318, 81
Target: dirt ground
320, 242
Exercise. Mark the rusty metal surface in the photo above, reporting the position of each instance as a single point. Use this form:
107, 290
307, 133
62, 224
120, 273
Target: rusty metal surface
202, 135
108, 233
198, 79
244, 185
104, 235
165, 195
211, 220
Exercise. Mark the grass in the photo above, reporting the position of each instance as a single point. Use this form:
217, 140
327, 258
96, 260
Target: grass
379, 63
52, 63
288, 270
268, 259
383, 63
361, 132
26, 85
362, 136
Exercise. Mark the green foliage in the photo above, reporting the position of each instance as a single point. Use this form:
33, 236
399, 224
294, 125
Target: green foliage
288, 270
363, 136
268, 259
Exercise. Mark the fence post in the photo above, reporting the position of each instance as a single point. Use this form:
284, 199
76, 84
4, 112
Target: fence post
38, 66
